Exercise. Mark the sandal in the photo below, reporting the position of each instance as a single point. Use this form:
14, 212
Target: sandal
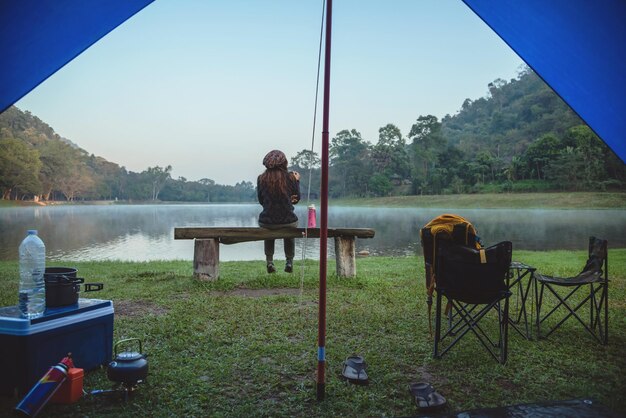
425, 396
354, 370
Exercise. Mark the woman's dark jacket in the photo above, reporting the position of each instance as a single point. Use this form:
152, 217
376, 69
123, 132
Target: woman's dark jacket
278, 209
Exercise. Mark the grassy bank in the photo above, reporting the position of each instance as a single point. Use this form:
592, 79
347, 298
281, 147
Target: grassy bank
246, 344
17, 203
579, 200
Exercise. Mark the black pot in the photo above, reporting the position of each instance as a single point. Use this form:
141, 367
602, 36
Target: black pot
63, 287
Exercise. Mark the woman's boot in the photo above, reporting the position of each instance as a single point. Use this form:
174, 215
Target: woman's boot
270, 266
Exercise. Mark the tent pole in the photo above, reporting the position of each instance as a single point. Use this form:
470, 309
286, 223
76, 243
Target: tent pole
321, 332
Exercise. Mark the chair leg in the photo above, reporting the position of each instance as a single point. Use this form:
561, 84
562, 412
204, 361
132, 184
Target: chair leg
572, 312
606, 313
522, 295
538, 303
601, 305
469, 321
437, 326
504, 330
597, 298
593, 305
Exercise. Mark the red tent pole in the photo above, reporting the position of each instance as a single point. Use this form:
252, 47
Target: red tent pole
321, 332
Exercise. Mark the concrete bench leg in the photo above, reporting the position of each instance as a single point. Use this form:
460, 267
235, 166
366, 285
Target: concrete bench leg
345, 256
206, 259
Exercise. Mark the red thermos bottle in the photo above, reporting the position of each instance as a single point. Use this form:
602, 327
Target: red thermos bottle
311, 220
43, 390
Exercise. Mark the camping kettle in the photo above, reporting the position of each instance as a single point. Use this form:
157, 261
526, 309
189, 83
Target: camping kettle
128, 367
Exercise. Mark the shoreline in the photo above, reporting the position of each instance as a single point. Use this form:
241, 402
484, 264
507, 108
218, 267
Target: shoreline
560, 200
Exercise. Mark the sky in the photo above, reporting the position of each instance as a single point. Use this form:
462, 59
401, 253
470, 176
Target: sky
209, 87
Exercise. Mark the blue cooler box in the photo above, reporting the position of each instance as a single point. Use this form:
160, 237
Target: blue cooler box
31, 347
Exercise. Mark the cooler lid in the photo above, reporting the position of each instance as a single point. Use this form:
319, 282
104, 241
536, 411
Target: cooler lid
11, 321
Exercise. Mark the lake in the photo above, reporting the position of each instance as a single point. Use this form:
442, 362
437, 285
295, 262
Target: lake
146, 232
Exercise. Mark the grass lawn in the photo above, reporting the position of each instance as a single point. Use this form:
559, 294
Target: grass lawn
562, 200
246, 345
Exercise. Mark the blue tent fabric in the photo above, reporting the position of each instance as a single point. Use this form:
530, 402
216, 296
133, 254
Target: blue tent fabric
578, 47
38, 37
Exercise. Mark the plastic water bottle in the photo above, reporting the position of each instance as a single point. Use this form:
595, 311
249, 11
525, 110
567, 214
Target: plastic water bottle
32, 296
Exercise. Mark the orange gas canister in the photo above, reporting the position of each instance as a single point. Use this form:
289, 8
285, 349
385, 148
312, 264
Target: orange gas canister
72, 389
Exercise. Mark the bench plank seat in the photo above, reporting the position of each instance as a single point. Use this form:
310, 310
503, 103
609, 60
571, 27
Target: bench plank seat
242, 234
207, 240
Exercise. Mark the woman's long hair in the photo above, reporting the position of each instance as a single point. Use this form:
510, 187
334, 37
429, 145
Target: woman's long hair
274, 179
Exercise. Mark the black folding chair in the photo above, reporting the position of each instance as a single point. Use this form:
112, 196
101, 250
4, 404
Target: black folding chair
592, 279
475, 283
458, 231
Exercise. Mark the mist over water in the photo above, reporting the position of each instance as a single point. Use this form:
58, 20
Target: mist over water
146, 232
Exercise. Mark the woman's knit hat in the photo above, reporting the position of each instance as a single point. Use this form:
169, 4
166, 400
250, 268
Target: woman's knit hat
275, 159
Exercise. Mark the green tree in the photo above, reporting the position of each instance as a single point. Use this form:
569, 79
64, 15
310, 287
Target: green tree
497, 93
513, 169
389, 155
349, 157
139, 186
19, 169
57, 160
566, 171
541, 152
591, 149
452, 170
209, 186
306, 160
157, 176
109, 178
379, 185
426, 144
78, 183
244, 191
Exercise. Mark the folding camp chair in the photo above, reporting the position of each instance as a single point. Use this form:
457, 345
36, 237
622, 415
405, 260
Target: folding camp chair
594, 279
474, 281
449, 227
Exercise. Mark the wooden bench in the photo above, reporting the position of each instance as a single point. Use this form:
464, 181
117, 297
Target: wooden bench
206, 254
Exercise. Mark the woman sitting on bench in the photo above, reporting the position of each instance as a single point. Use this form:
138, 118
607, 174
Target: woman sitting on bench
278, 190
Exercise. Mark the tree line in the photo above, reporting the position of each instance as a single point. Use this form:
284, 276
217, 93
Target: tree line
520, 137
36, 163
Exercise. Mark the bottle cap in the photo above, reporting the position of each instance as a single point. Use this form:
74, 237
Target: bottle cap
311, 206
32, 232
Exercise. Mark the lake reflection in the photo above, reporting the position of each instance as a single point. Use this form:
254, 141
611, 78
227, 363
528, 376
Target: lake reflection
146, 232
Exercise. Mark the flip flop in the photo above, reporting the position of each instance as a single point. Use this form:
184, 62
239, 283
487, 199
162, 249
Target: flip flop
425, 396
354, 370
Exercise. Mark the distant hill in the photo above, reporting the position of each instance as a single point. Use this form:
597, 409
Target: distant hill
515, 114
28, 127
521, 137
